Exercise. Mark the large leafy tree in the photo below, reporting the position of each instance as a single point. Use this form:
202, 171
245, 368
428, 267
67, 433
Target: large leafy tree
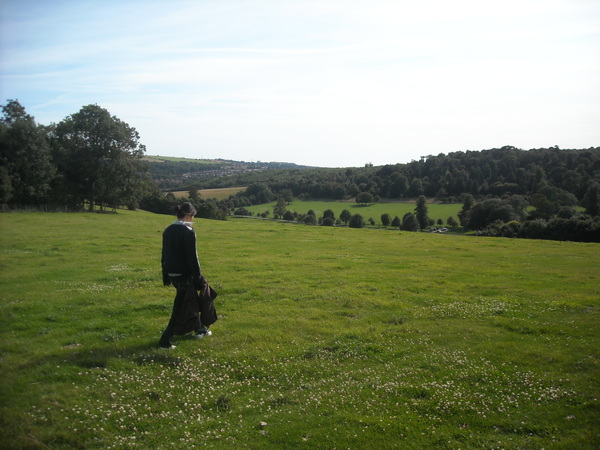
26, 168
100, 157
489, 211
364, 198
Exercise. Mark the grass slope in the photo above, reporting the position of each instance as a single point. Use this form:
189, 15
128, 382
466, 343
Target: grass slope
218, 194
327, 338
374, 211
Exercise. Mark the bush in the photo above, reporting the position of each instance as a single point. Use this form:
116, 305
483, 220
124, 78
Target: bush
581, 228
328, 222
309, 219
242, 212
385, 219
364, 198
409, 222
452, 222
356, 221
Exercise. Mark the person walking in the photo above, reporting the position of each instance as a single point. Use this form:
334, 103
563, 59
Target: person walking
181, 269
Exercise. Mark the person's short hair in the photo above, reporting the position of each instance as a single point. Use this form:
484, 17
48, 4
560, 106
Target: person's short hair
185, 209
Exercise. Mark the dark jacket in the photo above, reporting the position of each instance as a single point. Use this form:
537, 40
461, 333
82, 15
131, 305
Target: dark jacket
206, 302
179, 255
198, 307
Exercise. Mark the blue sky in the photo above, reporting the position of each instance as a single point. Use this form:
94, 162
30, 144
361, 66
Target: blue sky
333, 83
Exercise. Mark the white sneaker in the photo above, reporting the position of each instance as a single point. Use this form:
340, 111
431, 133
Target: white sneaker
202, 334
168, 348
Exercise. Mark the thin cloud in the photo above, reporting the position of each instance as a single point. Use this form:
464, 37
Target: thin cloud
316, 82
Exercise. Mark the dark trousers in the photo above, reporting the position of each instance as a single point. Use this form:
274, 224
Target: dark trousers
181, 284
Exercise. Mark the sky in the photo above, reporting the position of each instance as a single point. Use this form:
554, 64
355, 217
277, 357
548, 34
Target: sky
330, 83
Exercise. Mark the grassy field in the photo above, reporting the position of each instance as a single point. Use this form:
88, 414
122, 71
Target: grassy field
157, 158
219, 194
327, 338
435, 210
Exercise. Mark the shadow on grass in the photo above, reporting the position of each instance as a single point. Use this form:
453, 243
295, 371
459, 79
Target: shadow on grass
105, 356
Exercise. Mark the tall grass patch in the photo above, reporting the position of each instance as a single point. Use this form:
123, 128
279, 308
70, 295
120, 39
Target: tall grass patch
327, 338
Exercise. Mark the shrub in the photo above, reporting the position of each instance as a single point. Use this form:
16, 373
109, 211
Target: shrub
356, 221
328, 222
385, 219
409, 222
309, 219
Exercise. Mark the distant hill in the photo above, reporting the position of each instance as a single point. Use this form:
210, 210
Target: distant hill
172, 173
494, 173
546, 193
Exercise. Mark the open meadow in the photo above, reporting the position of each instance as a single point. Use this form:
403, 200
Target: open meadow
218, 194
327, 338
435, 210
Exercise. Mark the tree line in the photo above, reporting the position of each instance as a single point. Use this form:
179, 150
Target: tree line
90, 159
483, 174
94, 160
540, 193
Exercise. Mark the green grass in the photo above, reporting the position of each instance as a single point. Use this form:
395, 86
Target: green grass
157, 158
435, 210
218, 194
327, 338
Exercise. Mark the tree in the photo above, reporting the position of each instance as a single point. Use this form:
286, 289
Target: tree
591, 200
208, 210
452, 222
356, 221
345, 216
421, 212
260, 193
25, 155
328, 221
309, 219
544, 208
410, 222
416, 188
99, 155
329, 214
287, 195
289, 216
279, 209
385, 219
364, 198
396, 223
194, 194
489, 211
398, 186
463, 215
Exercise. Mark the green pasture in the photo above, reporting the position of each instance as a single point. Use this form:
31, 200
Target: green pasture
435, 210
217, 193
327, 338
157, 158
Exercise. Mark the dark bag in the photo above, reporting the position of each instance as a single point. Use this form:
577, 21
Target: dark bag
206, 304
187, 317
